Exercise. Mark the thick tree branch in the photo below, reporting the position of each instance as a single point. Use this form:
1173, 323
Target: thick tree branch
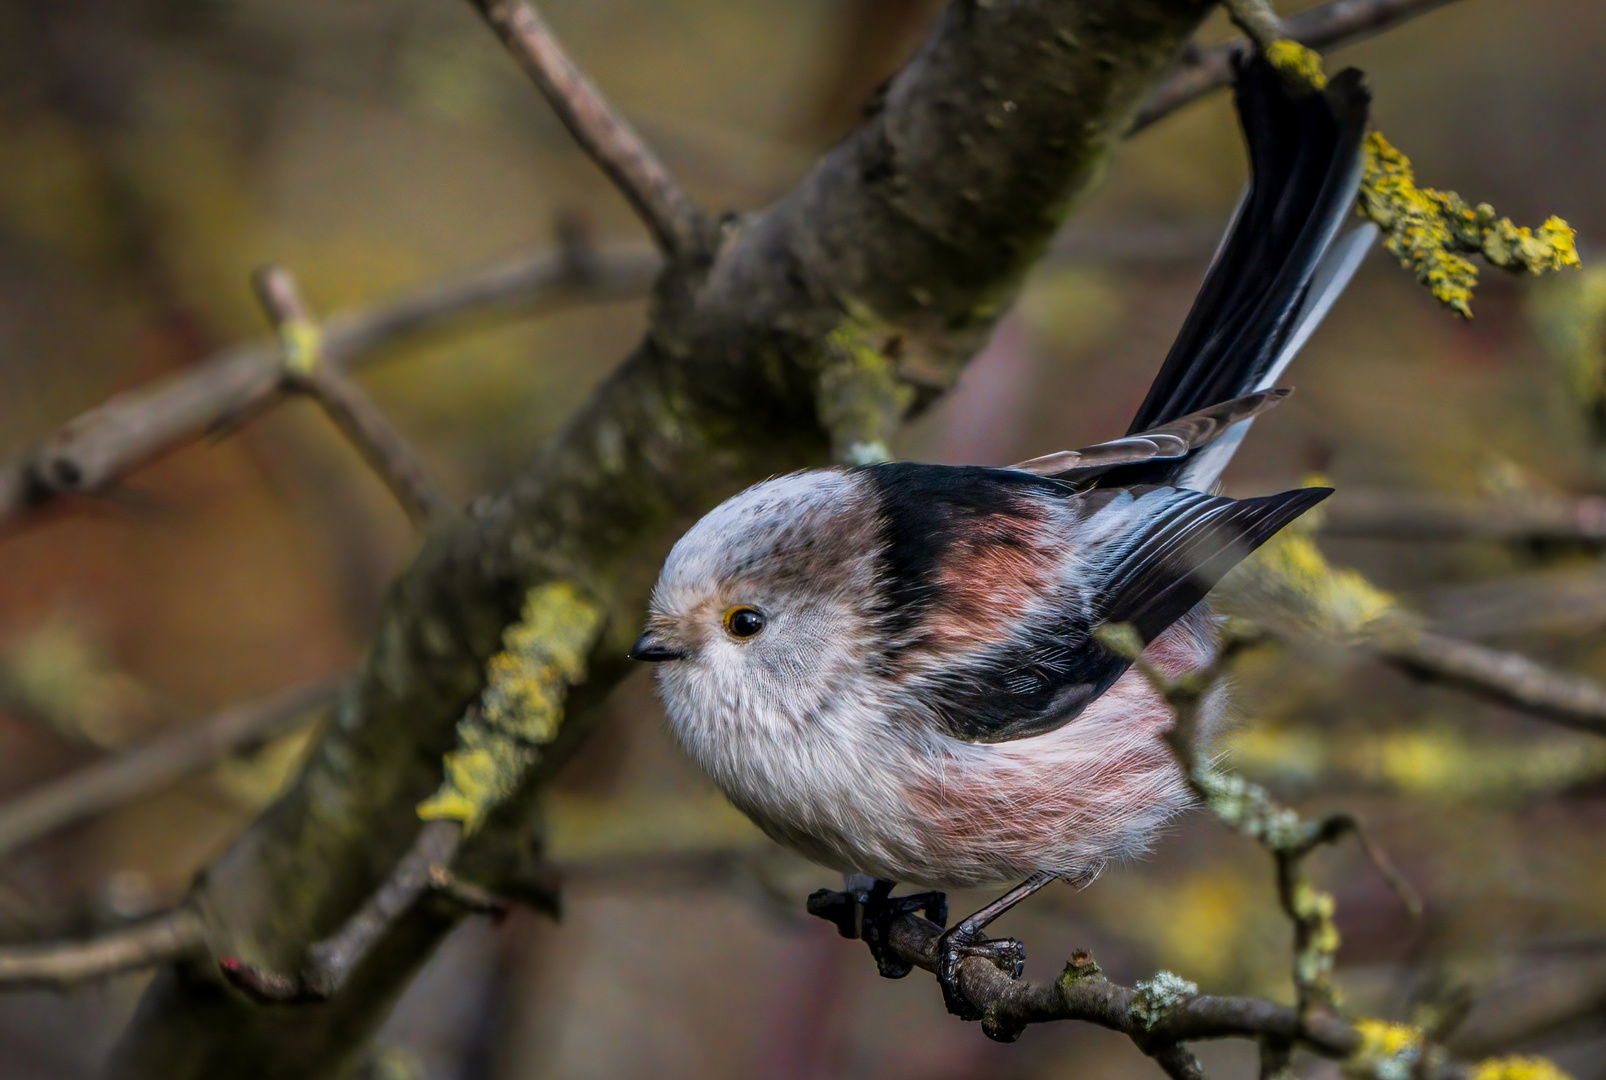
156, 764
364, 424
168, 937
1340, 22
679, 228
135, 428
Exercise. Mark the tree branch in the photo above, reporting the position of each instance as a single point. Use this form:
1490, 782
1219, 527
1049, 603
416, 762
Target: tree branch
135, 428
1507, 677
1339, 22
177, 934
330, 962
156, 764
678, 226
353, 411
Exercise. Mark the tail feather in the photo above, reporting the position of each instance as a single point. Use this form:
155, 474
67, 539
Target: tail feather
1274, 277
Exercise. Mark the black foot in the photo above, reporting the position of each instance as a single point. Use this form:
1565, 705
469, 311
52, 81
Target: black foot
868, 914
1006, 954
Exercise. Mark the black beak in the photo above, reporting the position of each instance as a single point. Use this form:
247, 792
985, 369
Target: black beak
653, 651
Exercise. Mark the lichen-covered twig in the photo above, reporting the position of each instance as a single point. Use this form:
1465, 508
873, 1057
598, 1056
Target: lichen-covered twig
1329, 25
352, 410
156, 764
1431, 232
177, 934
678, 226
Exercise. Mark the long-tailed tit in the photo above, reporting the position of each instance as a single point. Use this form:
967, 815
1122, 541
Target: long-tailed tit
894, 669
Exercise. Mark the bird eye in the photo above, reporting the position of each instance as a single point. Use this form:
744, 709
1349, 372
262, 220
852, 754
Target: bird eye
743, 622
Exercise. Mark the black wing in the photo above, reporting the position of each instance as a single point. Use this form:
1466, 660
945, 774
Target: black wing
993, 582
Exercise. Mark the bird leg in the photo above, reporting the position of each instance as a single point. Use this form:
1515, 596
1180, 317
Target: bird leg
965, 939
866, 908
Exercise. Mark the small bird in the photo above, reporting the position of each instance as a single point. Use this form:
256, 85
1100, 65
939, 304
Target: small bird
895, 669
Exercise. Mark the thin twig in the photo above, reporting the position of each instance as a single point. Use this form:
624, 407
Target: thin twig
331, 961
1258, 19
1340, 22
1179, 1063
678, 226
135, 428
1507, 677
364, 424
176, 934
156, 764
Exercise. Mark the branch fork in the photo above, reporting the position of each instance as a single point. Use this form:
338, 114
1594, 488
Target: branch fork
384, 448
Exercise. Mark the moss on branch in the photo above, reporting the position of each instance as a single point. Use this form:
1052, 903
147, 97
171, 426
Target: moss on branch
543, 654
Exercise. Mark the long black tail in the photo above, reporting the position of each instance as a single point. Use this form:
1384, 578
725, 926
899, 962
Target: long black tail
1278, 270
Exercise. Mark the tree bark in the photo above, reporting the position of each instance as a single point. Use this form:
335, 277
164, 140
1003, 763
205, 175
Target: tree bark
813, 328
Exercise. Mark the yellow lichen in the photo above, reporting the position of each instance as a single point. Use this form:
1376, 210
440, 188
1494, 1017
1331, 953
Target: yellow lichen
1295, 60
1517, 1068
1387, 1051
1291, 574
1430, 232
300, 346
521, 708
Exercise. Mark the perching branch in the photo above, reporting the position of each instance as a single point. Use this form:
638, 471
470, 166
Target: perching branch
1339, 22
352, 410
678, 226
156, 764
175, 935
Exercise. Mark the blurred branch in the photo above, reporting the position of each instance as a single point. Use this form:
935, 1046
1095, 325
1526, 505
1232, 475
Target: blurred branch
137, 427
156, 764
177, 934
678, 226
1389, 515
1507, 677
1565, 600
352, 410
1340, 22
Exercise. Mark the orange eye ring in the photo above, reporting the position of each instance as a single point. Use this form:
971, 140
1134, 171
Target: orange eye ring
743, 622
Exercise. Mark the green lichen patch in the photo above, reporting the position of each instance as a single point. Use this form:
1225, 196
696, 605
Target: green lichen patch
861, 397
1156, 996
521, 708
1431, 232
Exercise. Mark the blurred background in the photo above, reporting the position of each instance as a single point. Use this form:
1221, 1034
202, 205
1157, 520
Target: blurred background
153, 152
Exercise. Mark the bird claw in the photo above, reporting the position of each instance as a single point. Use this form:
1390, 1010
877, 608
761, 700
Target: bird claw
869, 914
1006, 954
